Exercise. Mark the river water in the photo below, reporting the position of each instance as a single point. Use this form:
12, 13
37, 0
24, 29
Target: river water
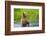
30, 25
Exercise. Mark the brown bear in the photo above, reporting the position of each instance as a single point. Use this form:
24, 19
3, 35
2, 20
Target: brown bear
24, 20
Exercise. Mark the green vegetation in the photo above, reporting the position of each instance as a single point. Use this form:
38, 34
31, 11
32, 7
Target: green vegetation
32, 14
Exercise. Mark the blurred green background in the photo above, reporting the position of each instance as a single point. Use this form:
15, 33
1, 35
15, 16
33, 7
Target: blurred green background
32, 14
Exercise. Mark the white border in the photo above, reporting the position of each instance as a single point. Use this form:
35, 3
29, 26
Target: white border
26, 28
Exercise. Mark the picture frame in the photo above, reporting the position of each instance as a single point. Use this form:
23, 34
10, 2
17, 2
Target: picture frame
8, 17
